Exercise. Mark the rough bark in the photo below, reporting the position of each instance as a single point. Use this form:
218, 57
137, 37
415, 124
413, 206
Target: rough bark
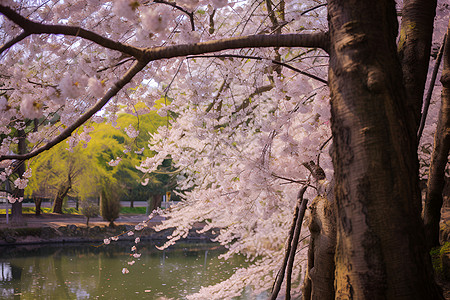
439, 158
319, 278
414, 49
380, 252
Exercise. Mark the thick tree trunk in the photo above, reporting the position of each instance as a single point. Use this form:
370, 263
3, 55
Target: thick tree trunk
439, 158
380, 252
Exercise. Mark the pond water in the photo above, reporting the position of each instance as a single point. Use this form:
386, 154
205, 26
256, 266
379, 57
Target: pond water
91, 272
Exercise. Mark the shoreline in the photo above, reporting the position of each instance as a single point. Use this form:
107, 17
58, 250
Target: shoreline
70, 229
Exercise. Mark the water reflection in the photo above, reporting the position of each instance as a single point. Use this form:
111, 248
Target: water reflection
87, 272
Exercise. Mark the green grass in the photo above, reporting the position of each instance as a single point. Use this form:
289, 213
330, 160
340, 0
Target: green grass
133, 210
32, 210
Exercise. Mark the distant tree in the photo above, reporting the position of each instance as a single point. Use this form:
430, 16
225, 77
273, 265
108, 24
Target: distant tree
110, 204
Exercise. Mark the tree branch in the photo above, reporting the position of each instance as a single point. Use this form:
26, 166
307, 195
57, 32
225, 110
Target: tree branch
144, 56
298, 230
426, 103
136, 68
14, 41
313, 8
292, 242
314, 40
31, 27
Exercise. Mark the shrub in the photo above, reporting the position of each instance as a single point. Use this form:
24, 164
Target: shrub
89, 209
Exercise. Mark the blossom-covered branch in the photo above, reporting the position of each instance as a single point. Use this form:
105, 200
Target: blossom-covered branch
32, 27
136, 68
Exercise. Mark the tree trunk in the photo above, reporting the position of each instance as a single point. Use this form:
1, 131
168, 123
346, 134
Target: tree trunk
59, 198
414, 49
319, 279
380, 251
439, 158
16, 210
156, 202
37, 204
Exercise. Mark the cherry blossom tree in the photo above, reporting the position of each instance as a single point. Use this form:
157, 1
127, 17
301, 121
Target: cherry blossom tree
262, 99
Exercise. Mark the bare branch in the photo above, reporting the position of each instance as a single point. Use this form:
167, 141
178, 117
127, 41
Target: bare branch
136, 68
289, 179
31, 27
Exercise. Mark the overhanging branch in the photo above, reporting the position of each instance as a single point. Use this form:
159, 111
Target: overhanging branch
313, 40
144, 56
136, 68
32, 27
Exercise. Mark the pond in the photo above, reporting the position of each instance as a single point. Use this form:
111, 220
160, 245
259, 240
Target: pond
90, 272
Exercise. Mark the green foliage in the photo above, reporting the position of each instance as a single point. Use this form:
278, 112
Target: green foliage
89, 209
437, 255
87, 166
110, 204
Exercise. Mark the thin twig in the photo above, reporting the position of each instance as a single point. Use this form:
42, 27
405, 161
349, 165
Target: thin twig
260, 58
289, 179
312, 8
